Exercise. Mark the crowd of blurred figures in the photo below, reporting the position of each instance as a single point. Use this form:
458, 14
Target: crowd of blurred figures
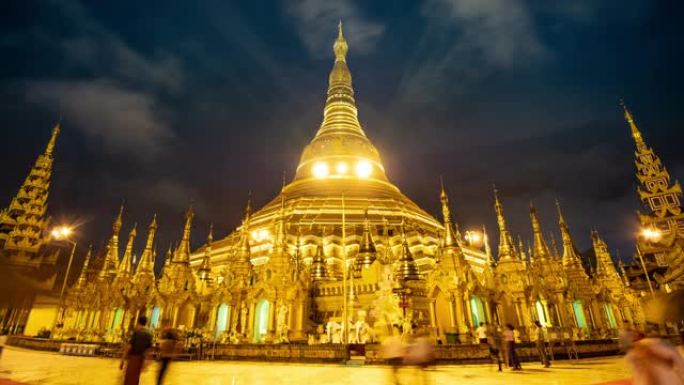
410, 354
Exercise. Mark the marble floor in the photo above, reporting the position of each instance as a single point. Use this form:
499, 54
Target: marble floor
31, 367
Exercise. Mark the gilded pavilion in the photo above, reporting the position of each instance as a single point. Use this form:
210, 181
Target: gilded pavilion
341, 254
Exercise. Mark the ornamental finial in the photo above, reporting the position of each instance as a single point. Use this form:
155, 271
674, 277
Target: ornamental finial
53, 138
340, 46
636, 134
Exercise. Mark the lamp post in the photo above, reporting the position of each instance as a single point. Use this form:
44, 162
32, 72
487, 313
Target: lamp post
650, 234
62, 234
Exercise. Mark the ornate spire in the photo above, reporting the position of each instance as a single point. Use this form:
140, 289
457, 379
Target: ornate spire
168, 258
367, 251
521, 251
636, 134
243, 264
318, 268
126, 265
605, 267
540, 250
146, 264
83, 277
570, 255
340, 138
450, 239
406, 269
554, 245
23, 222
183, 252
111, 262
506, 248
205, 268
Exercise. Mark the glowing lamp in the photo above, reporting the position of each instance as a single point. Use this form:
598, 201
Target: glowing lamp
320, 170
61, 232
364, 169
342, 168
651, 234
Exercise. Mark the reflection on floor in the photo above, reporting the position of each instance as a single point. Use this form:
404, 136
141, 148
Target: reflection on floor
33, 367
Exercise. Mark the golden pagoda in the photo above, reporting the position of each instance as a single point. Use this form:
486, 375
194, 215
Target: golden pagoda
340, 255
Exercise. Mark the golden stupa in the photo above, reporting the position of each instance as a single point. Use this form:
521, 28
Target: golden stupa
341, 255
341, 171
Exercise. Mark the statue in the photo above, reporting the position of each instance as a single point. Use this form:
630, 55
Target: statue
282, 326
243, 319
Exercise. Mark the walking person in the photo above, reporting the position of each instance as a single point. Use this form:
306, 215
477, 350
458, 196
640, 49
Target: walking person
420, 354
509, 337
541, 345
494, 342
135, 353
167, 351
393, 352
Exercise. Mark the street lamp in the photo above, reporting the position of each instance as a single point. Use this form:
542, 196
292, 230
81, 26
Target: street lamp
650, 234
62, 233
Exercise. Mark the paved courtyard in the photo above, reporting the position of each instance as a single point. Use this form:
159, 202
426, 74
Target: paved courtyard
31, 367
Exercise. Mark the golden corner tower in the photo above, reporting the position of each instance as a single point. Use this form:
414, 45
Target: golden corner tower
660, 243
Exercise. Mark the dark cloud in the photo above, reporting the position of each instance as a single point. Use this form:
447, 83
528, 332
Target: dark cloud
124, 121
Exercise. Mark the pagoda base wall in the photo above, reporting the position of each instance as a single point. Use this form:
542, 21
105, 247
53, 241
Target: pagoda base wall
334, 353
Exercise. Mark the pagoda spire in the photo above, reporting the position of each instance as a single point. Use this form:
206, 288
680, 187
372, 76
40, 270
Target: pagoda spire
636, 133
605, 267
367, 251
243, 264
146, 264
506, 248
23, 222
183, 251
111, 262
340, 126
319, 271
126, 265
83, 277
540, 250
570, 256
450, 238
406, 269
205, 268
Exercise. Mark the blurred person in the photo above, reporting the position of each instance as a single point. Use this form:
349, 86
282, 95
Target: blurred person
420, 353
481, 333
569, 342
541, 345
494, 343
392, 350
626, 337
168, 348
509, 337
655, 362
3, 341
135, 352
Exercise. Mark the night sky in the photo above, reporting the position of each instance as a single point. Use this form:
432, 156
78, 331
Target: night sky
170, 102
